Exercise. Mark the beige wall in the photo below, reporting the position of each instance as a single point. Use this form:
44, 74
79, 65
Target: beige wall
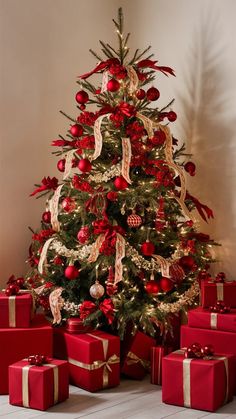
44, 46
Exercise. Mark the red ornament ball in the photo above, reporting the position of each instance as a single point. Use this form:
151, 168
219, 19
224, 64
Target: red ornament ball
120, 183
190, 168
147, 248
207, 350
83, 235
112, 196
68, 204
187, 263
76, 130
166, 284
46, 217
71, 272
171, 116
113, 85
84, 165
140, 94
61, 165
82, 97
20, 282
134, 220
152, 287
153, 94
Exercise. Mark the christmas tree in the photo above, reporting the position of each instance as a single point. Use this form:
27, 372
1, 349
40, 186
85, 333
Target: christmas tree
118, 244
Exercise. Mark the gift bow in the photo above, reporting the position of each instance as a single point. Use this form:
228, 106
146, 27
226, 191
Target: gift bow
220, 307
198, 351
134, 359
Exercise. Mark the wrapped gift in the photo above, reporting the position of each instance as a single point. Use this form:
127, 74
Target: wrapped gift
15, 310
75, 325
16, 344
172, 337
94, 360
223, 342
204, 319
38, 387
137, 360
204, 384
211, 291
157, 353
59, 343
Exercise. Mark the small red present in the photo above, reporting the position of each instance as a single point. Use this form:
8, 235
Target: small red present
76, 325
212, 291
94, 360
204, 319
38, 387
204, 384
157, 353
16, 310
16, 344
137, 360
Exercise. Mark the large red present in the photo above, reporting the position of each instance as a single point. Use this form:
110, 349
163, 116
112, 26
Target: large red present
203, 318
16, 310
16, 344
204, 384
214, 291
38, 387
172, 337
94, 360
157, 354
223, 342
137, 360
59, 343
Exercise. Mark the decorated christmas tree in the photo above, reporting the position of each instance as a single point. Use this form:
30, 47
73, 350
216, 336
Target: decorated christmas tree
118, 244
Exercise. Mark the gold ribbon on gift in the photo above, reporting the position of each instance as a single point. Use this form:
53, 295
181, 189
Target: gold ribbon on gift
12, 310
53, 208
220, 291
213, 320
132, 358
126, 158
106, 364
43, 254
25, 383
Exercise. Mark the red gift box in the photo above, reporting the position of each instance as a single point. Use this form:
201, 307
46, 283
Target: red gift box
223, 342
75, 325
38, 387
94, 360
214, 291
203, 318
59, 343
137, 360
16, 344
157, 353
185, 381
16, 310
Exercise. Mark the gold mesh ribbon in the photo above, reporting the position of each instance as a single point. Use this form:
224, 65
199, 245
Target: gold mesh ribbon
68, 164
25, 383
126, 158
98, 136
165, 265
120, 253
53, 208
95, 248
133, 77
104, 82
56, 303
132, 358
43, 254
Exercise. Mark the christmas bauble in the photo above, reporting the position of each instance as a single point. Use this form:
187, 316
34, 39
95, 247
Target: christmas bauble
159, 138
153, 94
112, 196
58, 260
152, 287
96, 290
113, 85
13, 289
171, 116
134, 220
71, 272
61, 165
84, 165
82, 97
166, 284
176, 272
20, 282
83, 234
147, 248
76, 130
68, 204
140, 94
220, 277
189, 353
46, 217
207, 350
187, 263
120, 183
190, 168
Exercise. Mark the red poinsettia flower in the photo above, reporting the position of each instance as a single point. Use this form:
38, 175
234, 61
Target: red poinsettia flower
86, 308
107, 308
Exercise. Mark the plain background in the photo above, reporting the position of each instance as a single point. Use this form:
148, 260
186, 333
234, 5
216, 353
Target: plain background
44, 47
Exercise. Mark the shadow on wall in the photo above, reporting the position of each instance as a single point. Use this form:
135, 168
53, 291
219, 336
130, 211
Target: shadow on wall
210, 136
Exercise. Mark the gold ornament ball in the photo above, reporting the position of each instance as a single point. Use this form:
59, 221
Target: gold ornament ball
96, 290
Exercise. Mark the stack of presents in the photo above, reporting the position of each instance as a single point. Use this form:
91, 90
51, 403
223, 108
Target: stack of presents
37, 361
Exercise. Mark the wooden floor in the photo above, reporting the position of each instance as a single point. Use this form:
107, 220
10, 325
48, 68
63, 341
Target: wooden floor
132, 399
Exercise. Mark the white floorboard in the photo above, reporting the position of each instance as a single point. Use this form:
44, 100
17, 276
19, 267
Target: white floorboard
132, 399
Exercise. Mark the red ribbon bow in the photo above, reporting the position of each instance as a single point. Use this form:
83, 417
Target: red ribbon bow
152, 64
103, 65
198, 351
103, 227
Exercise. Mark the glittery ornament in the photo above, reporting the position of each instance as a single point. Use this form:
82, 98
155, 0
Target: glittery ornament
83, 235
134, 220
96, 290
